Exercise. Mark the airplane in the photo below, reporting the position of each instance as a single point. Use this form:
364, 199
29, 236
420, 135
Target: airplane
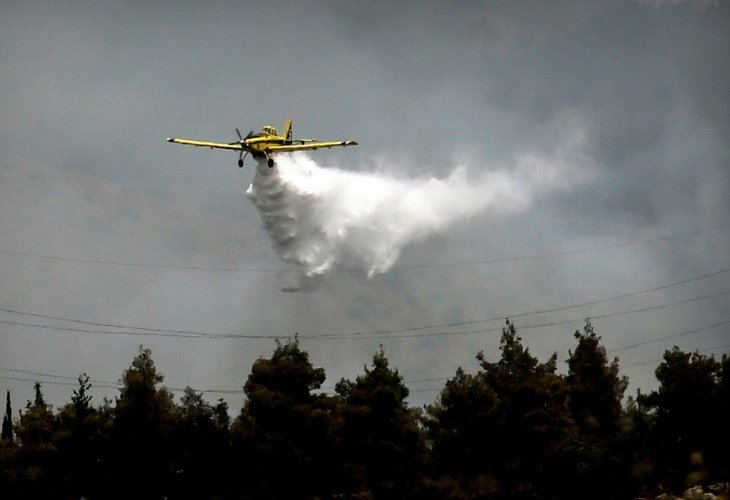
264, 143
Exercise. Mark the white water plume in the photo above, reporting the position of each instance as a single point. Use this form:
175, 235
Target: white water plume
322, 219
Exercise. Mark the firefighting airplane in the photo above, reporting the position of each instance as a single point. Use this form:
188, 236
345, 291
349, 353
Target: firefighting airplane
265, 143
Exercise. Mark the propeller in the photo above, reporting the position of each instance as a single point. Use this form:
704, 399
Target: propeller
241, 140
248, 136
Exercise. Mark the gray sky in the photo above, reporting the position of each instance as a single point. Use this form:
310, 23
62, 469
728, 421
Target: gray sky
105, 223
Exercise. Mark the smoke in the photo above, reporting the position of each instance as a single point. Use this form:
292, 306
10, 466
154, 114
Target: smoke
321, 219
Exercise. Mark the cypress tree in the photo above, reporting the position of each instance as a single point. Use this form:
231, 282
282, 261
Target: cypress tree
7, 432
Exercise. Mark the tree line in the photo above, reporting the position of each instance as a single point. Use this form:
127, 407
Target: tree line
516, 428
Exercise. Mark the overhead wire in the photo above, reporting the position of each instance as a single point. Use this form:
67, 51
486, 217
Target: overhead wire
64, 380
146, 333
666, 337
659, 360
400, 267
551, 323
67, 381
234, 336
142, 330
141, 264
540, 311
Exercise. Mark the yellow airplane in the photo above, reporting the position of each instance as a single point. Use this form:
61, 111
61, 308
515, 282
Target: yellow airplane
265, 143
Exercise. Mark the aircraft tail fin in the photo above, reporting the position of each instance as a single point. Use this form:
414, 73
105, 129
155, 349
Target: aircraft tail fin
287, 129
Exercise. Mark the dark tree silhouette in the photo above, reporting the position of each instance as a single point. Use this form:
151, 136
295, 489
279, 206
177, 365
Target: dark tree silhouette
535, 419
36, 431
719, 454
462, 425
513, 429
80, 443
689, 426
595, 390
8, 453
202, 451
7, 430
284, 427
384, 448
144, 420
524, 405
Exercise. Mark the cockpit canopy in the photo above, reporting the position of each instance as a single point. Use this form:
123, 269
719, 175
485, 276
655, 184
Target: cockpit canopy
268, 129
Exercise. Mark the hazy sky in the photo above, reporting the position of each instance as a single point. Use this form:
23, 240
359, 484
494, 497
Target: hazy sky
105, 223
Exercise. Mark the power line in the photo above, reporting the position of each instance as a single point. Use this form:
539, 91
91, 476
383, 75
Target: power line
529, 313
537, 325
345, 336
188, 333
659, 360
402, 267
142, 264
660, 339
201, 334
148, 332
561, 253
141, 330
56, 379
63, 380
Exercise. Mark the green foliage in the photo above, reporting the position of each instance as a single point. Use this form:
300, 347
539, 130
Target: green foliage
383, 445
595, 394
278, 385
81, 399
514, 429
689, 434
142, 434
36, 431
504, 426
201, 448
81, 442
283, 426
463, 425
596, 389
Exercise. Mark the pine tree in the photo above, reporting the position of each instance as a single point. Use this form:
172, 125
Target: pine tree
80, 444
81, 399
37, 423
688, 419
143, 432
283, 426
462, 425
202, 449
596, 390
534, 418
511, 418
383, 443
37, 433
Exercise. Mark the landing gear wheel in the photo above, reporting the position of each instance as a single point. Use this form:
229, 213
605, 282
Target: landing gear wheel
270, 163
240, 163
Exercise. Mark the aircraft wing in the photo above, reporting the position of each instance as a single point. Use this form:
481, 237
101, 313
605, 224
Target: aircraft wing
206, 144
284, 148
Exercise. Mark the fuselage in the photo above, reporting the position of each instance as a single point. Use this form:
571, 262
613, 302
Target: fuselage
258, 144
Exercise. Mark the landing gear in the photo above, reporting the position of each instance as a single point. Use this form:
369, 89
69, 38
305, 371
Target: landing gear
241, 156
270, 162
